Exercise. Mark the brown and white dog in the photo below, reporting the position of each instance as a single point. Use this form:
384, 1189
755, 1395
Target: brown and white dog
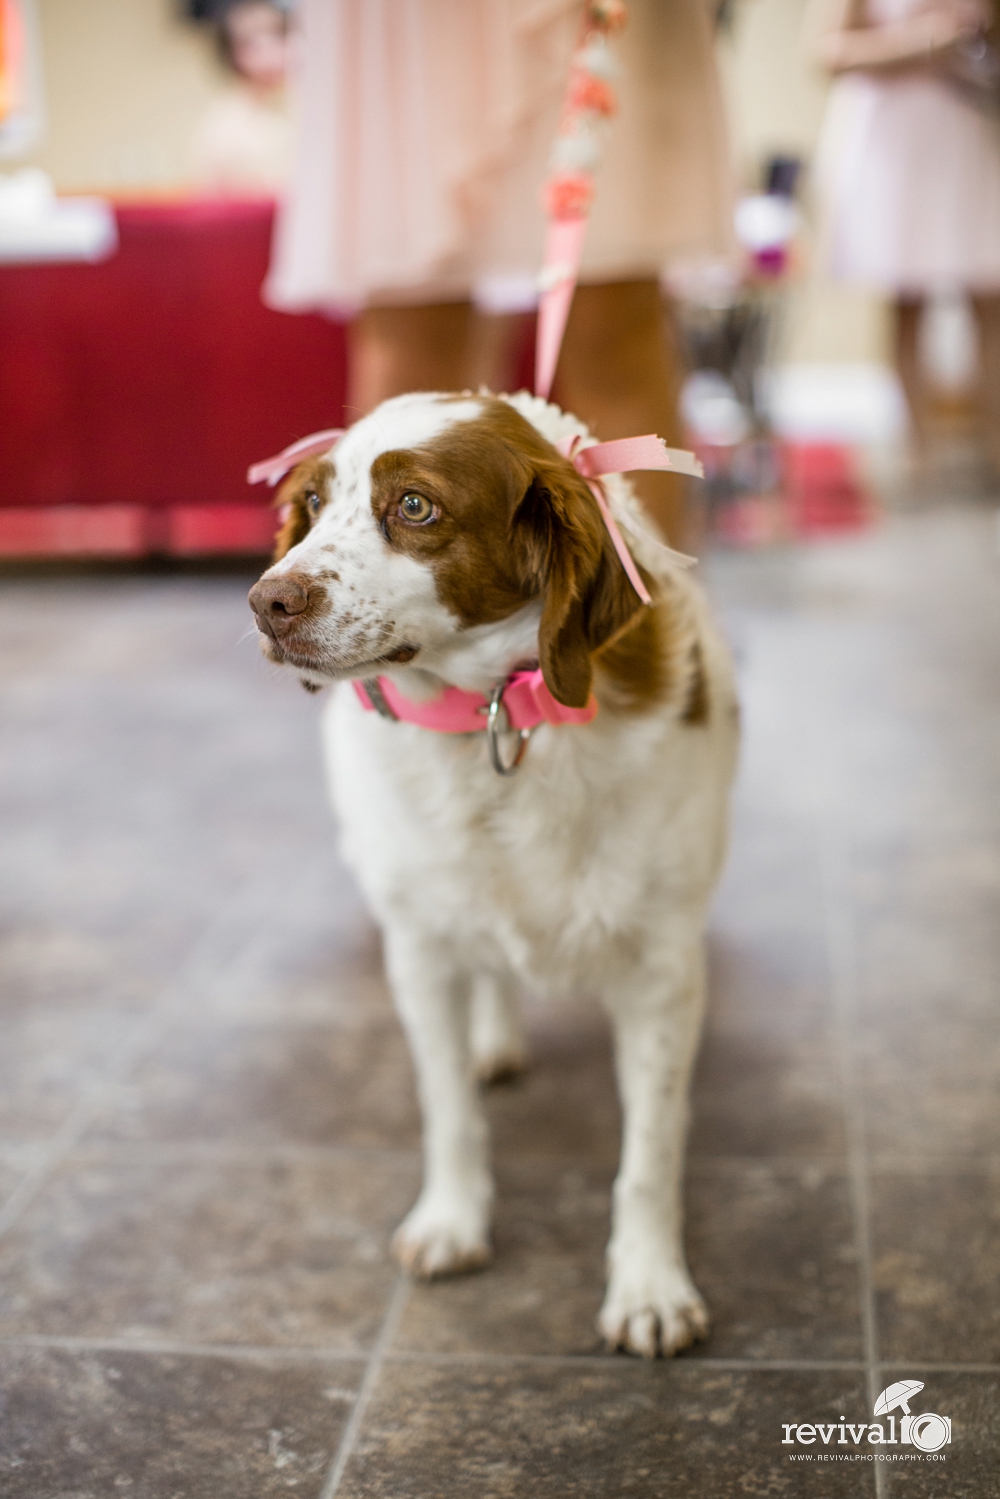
445, 541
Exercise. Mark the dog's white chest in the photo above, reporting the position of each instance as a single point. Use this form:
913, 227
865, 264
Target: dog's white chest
559, 870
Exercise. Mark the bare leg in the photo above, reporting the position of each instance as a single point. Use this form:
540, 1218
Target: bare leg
620, 372
987, 311
498, 1048
909, 313
393, 350
652, 1305
448, 1228
497, 338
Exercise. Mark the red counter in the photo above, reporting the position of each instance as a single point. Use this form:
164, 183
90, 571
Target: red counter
134, 393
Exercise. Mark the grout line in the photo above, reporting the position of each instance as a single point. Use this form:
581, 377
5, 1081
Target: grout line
623, 1360
390, 1322
236, 1153
698, 1167
323, 1354
255, 1351
842, 959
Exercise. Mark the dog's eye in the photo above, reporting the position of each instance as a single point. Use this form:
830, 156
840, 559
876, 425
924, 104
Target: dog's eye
416, 507
313, 503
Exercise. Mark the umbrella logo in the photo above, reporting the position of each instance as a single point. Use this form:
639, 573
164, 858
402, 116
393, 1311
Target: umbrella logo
898, 1397
928, 1431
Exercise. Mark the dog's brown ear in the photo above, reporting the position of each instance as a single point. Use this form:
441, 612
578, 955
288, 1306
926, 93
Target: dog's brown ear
293, 517
310, 478
587, 598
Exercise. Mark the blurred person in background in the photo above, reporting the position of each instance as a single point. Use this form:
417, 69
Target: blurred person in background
908, 171
416, 194
244, 143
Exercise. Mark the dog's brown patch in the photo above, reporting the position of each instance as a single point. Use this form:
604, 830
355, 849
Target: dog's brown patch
696, 710
514, 521
637, 664
314, 476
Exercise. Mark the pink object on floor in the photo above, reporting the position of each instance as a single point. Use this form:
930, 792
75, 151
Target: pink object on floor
818, 492
823, 490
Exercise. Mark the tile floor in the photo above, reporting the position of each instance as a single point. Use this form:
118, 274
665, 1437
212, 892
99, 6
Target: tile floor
207, 1121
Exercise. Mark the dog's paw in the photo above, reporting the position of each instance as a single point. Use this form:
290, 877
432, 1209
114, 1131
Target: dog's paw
500, 1064
496, 1036
652, 1310
437, 1238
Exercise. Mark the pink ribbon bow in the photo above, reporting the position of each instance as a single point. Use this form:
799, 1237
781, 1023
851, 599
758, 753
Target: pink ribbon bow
622, 457
273, 469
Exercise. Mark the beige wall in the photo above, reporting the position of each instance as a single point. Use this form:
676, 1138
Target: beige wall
127, 83
776, 98
776, 101
125, 86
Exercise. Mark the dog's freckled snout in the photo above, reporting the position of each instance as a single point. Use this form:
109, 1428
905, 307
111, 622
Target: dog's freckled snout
277, 603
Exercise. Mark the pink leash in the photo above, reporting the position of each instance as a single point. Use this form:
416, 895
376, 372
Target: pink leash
569, 192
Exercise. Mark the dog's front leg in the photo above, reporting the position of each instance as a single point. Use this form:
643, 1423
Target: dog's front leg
447, 1230
652, 1305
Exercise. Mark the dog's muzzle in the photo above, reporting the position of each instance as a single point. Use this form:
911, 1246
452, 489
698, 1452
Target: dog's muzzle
277, 604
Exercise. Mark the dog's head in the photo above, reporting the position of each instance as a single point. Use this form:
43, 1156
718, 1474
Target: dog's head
435, 521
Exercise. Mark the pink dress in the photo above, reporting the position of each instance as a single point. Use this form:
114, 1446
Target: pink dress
909, 178
425, 128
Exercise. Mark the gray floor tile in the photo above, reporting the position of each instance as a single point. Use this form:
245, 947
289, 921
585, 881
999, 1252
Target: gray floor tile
774, 1255
438, 1431
932, 1084
936, 1267
280, 1252
267, 1085
772, 982
50, 1058
75, 966
760, 1094
163, 1425
928, 932
928, 957
567, 1102
15, 1160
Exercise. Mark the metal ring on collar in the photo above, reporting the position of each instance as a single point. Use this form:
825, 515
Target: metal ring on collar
494, 730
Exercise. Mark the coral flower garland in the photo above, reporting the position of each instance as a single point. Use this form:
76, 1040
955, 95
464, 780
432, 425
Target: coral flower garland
568, 193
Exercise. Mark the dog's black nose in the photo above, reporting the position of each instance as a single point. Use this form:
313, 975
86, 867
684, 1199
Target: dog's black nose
277, 601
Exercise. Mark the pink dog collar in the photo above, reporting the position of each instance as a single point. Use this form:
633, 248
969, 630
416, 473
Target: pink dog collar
525, 699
